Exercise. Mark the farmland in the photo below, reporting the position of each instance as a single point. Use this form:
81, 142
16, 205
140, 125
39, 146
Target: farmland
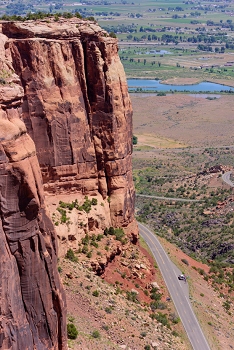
198, 36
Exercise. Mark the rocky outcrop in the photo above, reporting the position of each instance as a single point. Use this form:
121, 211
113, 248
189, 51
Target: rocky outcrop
76, 109
65, 128
33, 309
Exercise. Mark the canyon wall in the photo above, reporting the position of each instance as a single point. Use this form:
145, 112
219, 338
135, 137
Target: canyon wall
65, 129
33, 308
77, 109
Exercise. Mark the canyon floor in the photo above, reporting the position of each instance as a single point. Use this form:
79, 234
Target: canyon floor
180, 138
183, 120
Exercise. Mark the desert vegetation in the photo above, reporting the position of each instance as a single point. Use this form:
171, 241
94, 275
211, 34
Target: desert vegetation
167, 166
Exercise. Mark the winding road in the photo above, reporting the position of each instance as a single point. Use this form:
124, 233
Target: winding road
178, 290
226, 178
170, 198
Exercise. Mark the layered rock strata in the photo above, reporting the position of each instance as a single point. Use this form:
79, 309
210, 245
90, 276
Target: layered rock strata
33, 308
76, 109
65, 124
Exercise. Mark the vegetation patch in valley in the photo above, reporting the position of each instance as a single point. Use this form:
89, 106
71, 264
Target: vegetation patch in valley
203, 230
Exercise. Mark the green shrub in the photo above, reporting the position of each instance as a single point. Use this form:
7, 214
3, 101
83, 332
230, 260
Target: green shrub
86, 206
96, 334
71, 319
162, 319
63, 213
67, 15
94, 201
85, 240
78, 15
99, 237
85, 249
94, 244
89, 254
134, 140
95, 293
132, 296
174, 318
119, 234
72, 332
147, 347
90, 18
108, 310
71, 256
227, 305
112, 35
155, 296
111, 231
185, 262
175, 334
162, 306
154, 305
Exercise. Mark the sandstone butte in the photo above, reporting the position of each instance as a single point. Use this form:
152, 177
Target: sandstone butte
65, 128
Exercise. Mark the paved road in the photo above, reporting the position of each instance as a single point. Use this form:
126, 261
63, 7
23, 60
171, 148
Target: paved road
226, 178
178, 290
170, 198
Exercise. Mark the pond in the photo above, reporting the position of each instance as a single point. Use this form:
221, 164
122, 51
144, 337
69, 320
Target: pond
152, 85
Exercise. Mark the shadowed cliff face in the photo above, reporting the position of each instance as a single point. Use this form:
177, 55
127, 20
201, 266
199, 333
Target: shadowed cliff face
76, 109
33, 310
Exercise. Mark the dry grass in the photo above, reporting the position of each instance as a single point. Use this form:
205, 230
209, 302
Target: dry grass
158, 142
183, 119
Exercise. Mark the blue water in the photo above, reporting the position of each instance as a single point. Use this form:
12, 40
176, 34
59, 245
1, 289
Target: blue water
152, 85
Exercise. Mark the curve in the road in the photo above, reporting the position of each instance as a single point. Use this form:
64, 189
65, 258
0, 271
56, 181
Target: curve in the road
178, 290
226, 178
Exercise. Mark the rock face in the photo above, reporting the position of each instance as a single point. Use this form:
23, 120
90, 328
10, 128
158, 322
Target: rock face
76, 109
33, 309
65, 125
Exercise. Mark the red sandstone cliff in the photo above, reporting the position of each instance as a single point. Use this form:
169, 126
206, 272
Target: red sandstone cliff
33, 309
77, 109
75, 123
